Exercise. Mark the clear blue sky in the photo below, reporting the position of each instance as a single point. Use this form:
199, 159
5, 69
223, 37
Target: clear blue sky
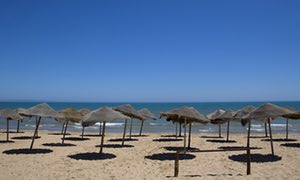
155, 50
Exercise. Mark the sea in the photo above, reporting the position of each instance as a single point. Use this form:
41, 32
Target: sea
155, 126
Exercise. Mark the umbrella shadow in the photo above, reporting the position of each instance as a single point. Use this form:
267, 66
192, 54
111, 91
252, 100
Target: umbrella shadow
293, 145
170, 156
76, 139
25, 137
139, 135
58, 144
236, 147
13, 132
280, 140
116, 146
257, 137
58, 134
92, 135
166, 140
169, 135
4, 141
220, 141
120, 140
176, 148
257, 158
92, 156
27, 151
217, 137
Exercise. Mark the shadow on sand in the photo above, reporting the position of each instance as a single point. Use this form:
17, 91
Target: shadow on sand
76, 139
280, 140
176, 148
236, 147
13, 132
27, 151
120, 140
257, 137
166, 140
58, 144
220, 141
92, 156
4, 141
116, 146
136, 135
170, 156
214, 137
92, 135
257, 158
25, 137
293, 145
170, 135
58, 134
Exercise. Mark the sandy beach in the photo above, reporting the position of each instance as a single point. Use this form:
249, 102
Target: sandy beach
139, 160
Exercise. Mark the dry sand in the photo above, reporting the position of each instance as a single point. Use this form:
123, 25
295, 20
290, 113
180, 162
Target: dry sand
130, 162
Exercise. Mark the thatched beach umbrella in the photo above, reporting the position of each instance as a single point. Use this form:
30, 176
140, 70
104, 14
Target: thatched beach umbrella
71, 115
227, 116
146, 115
103, 114
9, 114
83, 112
213, 118
39, 111
293, 116
129, 111
185, 115
267, 112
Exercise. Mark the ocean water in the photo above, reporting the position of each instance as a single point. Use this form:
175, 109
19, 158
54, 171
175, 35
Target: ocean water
155, 126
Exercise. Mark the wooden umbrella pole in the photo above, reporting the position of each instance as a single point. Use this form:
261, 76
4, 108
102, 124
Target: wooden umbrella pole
220, 135
130, 131
228, 124
184, 136
248, 150
190, 132
100, 128
64, 135
176, 130
270, 132
7, 129
18, 126
36, 121
180, 129
266, 130
287, 129
82, 134
124, 132
63, 127
141, 129
102, 138
35, 132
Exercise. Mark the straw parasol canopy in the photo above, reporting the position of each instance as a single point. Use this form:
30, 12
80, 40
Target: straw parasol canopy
227, 116
187, 115
244, 111
69, 115
9, 114
213, 116
267, 112
84, 111
129, 111
147, 114
40, 110
103, 114
293, 116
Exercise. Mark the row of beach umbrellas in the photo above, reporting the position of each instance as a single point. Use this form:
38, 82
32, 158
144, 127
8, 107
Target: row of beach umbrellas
182, 115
